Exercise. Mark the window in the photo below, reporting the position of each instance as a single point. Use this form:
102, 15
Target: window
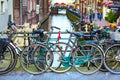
16, 4
33, 4
29, 6
2, 6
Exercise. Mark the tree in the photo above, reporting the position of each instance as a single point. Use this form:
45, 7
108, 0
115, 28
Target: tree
111, 16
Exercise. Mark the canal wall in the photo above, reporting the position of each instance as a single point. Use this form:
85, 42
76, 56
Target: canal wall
43, 23
73, 17
54, 10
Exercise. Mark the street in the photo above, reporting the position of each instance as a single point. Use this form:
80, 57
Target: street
63, 76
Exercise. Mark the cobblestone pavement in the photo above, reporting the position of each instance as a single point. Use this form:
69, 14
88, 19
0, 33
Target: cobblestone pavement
64, 76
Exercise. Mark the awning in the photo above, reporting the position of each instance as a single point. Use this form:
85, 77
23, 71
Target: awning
63, 3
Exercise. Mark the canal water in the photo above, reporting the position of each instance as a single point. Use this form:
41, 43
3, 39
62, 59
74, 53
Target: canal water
60, 20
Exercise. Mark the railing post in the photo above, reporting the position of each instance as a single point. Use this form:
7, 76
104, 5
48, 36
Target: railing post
24, 38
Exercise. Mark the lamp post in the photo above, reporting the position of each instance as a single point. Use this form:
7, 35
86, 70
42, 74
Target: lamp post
37, 10
21, 3
82, 1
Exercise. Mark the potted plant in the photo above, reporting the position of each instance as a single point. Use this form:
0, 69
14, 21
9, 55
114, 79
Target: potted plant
111, 18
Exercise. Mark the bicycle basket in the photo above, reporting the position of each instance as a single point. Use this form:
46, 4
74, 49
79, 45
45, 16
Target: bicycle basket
115, 36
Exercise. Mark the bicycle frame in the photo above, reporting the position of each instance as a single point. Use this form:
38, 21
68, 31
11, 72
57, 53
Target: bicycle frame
47, 42
74, 45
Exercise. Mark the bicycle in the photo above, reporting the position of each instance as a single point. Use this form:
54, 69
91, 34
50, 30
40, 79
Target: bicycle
42, 55
15, 51
8, 48
98, 37
112, 56
81, 56
7, 56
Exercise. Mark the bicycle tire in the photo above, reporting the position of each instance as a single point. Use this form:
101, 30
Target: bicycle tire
61, 64
112, 59
43, 57
88, 59
55, 51
13, 60
28, 61
104, 45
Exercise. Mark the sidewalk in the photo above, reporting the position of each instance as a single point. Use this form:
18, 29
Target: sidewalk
63, 76
103, 22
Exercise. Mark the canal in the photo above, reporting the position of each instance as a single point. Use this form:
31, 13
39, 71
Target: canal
60, 20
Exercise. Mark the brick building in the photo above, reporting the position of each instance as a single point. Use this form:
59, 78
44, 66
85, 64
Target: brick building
29, 11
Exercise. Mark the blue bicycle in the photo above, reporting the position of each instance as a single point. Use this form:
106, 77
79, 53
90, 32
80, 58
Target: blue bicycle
86, 58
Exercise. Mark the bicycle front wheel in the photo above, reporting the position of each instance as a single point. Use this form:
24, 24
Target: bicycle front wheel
112, 59
61, 58
88, 59
43, 57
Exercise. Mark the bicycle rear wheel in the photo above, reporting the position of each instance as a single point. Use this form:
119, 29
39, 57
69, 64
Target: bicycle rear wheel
43, 57
88, 59
112, 59
29, 59
8, 59
55, 54
61, 58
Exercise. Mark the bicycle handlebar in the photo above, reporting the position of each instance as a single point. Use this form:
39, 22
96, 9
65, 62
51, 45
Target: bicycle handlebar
76, 33
40, 31
81, 34
55, 27
10, 23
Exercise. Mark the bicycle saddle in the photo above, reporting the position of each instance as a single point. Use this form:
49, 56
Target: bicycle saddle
40, 31
76, 33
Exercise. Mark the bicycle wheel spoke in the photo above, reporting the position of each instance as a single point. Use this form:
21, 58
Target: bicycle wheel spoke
112, 59
30, 60
60, 58
93, 60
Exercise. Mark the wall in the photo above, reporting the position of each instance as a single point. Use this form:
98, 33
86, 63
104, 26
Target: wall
16, 11
3, 15
10, 8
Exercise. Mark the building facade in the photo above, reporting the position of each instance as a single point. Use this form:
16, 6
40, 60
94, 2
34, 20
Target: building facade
29, 11
3, 14
86, 6
22, 11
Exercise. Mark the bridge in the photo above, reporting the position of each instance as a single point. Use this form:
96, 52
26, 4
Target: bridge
55, 9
